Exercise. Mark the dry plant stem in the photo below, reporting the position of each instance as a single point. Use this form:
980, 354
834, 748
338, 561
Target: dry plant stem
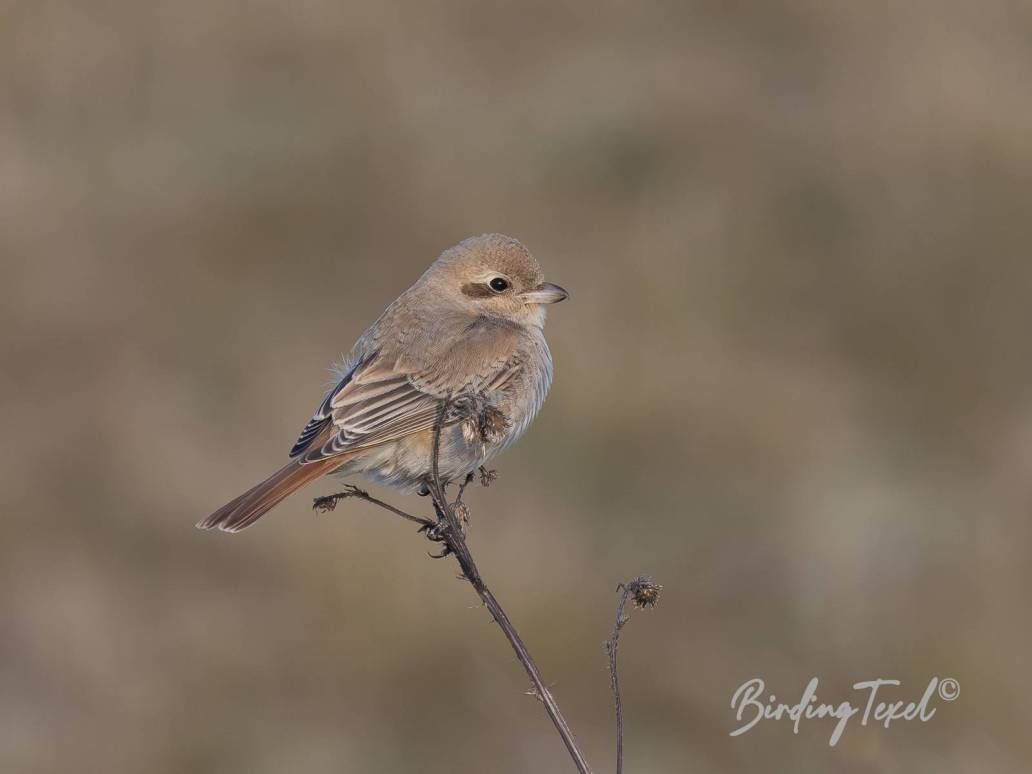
456, 543
614, 680
644, 593
329, 502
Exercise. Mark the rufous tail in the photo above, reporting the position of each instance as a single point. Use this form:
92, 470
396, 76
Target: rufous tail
259, 500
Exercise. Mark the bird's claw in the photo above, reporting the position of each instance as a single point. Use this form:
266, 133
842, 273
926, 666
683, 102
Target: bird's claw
435, 532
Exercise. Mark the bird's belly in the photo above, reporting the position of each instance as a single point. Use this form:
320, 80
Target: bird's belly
405, 464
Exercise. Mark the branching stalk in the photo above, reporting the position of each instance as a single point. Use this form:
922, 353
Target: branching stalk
644, 593
448, 529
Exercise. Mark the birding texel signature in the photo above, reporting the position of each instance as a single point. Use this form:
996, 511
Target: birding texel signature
749, 705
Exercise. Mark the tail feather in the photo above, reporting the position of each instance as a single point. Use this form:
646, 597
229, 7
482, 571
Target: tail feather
246, 509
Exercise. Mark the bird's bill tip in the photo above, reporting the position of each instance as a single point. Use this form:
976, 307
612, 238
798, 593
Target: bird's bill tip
545, 293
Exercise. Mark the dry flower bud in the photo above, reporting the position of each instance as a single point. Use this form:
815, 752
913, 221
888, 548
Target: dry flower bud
644, 593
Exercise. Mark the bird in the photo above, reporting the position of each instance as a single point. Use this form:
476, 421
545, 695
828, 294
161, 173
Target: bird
469, 335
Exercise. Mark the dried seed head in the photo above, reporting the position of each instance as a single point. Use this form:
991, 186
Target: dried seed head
493, 424
462, 513
644, 593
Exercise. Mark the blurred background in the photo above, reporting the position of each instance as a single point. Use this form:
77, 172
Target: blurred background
794, 380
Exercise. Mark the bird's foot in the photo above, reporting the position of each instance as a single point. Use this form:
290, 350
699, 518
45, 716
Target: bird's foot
436, 533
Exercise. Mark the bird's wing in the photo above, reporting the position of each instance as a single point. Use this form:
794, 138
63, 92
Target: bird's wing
377, 401
322, 416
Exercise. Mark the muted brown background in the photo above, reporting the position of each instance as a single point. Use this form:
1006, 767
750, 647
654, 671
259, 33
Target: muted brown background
793, 378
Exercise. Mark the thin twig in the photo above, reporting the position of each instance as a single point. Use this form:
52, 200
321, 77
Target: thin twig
329, 503
614, 680
644, 593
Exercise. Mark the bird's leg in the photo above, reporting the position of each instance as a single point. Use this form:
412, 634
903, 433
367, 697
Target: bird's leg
462, 487
436, 531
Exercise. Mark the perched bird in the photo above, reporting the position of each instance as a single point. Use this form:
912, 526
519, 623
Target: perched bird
469, 332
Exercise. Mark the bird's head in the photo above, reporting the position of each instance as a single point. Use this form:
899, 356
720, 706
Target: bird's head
496, 276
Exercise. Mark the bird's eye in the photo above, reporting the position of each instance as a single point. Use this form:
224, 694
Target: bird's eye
499, 284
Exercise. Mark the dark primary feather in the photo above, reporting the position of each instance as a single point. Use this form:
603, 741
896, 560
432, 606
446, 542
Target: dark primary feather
322, 416
312, 429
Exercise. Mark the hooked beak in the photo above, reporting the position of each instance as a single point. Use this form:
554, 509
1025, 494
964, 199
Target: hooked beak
545, 293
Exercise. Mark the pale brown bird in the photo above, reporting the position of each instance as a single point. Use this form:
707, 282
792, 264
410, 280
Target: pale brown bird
469, 331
